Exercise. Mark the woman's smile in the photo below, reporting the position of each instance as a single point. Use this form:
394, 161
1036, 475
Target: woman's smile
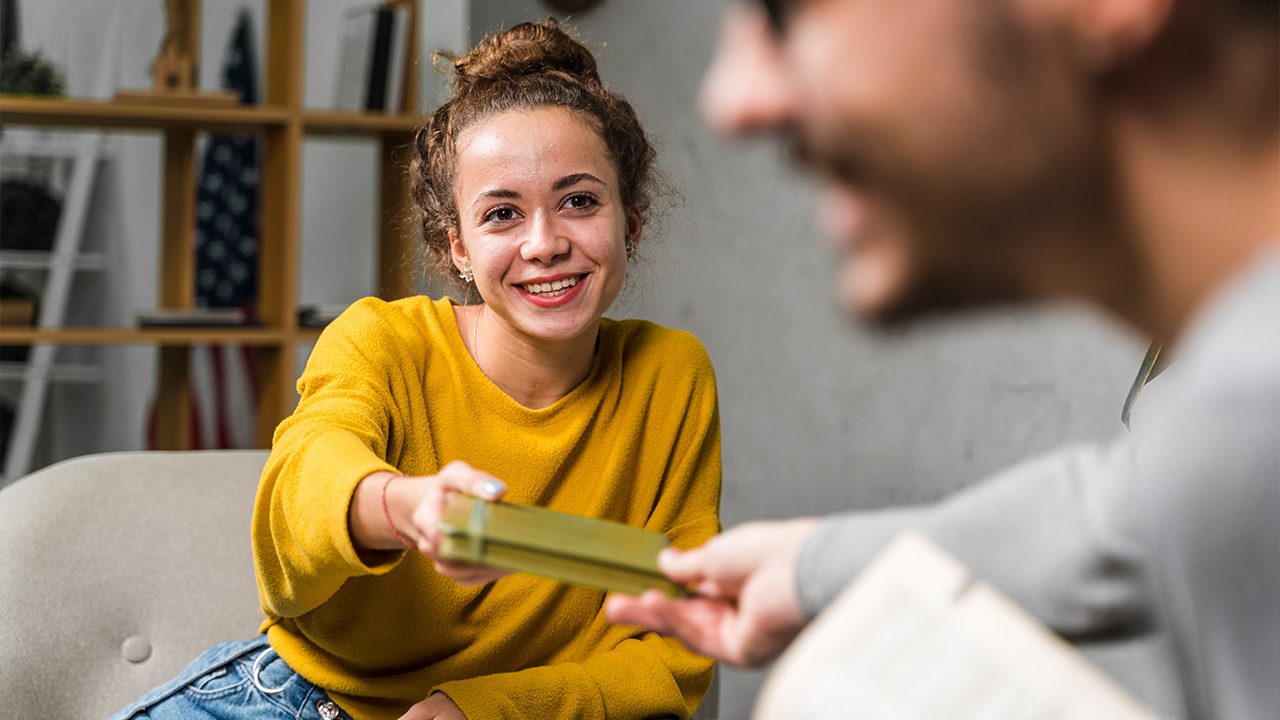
555, 291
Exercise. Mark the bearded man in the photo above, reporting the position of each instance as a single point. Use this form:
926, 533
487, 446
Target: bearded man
1122, 153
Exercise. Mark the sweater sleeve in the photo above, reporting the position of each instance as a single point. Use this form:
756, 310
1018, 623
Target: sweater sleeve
641, 674
1054, 534
338, 434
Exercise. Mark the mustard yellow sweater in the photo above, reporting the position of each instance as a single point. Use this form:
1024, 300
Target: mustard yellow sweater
390, 386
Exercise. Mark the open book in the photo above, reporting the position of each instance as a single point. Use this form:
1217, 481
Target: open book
915, 637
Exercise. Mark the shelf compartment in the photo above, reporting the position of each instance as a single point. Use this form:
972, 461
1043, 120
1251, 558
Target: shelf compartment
46, 146
145, 336
20, 110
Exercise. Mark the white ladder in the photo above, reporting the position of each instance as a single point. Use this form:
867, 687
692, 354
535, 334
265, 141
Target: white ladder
63, 263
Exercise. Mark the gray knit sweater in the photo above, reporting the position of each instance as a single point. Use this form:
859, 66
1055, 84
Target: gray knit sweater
1174, 527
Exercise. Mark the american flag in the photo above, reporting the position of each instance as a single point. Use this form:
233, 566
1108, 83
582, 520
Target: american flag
223, 397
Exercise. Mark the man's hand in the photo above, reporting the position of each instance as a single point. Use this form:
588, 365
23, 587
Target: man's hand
746, 610
437, 706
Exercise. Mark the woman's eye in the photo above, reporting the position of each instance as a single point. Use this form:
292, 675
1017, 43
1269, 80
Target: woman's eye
500, 215
580, 202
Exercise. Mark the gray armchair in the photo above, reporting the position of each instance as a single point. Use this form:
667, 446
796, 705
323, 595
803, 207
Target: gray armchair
116, 570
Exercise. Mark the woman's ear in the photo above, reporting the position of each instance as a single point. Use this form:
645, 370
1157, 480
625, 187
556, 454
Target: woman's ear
635, 227
458, 250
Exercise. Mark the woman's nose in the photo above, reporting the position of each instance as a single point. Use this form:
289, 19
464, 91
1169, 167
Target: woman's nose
545, 242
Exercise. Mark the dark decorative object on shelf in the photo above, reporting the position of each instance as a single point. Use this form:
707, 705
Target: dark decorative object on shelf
8, 25
30, 73
28, 215
7, 416
572, 6
11, 289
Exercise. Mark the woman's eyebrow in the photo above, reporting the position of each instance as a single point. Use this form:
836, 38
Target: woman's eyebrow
496, 193
574, 179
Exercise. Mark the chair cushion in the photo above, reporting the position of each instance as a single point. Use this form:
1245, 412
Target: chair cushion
117, 570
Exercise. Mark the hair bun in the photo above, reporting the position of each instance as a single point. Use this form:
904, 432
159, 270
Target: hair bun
526, 49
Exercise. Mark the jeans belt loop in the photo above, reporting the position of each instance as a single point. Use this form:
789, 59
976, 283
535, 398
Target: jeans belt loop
257, 668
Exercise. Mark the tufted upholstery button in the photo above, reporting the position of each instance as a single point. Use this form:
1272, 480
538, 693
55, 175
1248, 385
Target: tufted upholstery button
136, 649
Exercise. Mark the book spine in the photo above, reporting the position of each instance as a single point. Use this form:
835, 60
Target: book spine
398, 60
377, 95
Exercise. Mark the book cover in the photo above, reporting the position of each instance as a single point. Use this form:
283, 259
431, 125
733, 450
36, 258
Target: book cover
569, 548
359, 26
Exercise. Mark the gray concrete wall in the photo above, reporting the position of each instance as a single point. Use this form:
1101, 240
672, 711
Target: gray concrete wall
818, 415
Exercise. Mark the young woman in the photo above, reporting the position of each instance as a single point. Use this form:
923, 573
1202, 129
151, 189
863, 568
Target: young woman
532, 183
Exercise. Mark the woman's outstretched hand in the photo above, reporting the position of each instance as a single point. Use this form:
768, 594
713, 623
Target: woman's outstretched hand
390, 512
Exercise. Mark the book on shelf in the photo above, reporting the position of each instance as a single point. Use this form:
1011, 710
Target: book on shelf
17, 311
398, 60
917, 637
371, 67
193, 317
317, 315
570, 548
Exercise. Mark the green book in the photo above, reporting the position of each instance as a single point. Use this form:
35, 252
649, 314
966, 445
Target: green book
570, 548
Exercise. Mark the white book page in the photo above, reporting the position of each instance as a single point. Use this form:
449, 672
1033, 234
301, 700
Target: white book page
914, 639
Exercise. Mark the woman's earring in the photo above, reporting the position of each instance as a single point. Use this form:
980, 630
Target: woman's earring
631, 250
466, 274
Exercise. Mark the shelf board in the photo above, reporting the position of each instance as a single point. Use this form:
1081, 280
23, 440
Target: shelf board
63, 372
349, 123
20, 110
145, 336
47, 259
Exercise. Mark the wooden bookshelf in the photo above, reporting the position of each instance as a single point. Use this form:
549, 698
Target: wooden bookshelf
20, 110
145, 336
283, 122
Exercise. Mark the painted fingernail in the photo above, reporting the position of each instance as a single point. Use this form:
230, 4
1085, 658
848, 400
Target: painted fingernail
491, 488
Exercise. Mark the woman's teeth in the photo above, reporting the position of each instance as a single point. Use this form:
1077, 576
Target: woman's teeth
551, 289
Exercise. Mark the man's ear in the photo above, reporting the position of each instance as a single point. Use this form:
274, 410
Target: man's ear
1110, 30
458, 250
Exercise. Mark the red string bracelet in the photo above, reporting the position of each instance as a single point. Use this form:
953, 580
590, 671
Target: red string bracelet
387, 513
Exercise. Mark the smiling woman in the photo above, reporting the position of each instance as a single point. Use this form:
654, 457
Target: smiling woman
542, 232
533, 185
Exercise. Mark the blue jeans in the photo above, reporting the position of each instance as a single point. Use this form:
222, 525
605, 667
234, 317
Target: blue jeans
235, 681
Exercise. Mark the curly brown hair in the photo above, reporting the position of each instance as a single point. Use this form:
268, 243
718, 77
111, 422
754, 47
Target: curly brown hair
530, 65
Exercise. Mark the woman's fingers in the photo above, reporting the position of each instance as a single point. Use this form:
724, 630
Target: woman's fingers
468, 574
462, 477
428, 518
457, 476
